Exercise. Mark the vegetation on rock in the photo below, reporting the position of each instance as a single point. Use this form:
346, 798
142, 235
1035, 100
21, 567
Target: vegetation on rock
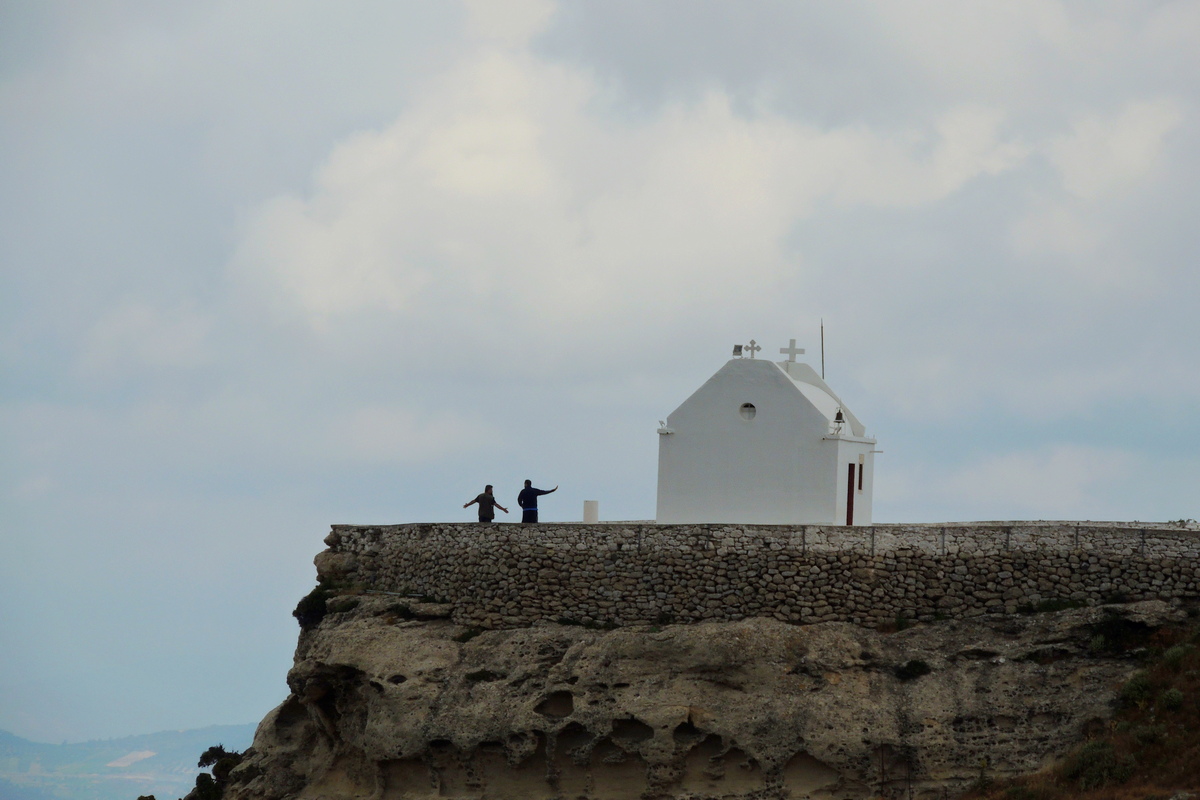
222, 762
912, 670
312, 607
1150, 748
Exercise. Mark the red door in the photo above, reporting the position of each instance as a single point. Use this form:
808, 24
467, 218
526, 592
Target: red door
850, 497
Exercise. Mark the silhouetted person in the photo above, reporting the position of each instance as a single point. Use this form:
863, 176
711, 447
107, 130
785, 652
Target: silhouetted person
487, 505
527, 500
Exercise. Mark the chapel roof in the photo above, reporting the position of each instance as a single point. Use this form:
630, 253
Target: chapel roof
817, 392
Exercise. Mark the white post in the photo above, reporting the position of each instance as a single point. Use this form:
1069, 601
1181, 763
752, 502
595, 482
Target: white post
591, 511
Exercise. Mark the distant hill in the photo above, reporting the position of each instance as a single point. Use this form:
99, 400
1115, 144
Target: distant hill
162, 764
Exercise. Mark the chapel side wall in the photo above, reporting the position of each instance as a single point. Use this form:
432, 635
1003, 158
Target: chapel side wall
611, 574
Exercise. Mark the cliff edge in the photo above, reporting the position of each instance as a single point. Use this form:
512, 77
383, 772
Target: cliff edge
393, 700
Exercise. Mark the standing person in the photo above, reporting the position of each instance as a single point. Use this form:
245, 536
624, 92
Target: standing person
527, 500
487, 505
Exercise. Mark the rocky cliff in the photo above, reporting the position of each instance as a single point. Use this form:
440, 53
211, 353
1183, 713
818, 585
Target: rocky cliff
393, 699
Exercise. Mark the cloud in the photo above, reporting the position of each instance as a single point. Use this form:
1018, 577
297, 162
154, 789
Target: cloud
502, 188
1103, 155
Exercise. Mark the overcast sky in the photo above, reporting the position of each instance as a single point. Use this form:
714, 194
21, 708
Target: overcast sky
267, 266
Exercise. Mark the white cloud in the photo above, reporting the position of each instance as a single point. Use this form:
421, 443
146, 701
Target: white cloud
1103, 155
502, 187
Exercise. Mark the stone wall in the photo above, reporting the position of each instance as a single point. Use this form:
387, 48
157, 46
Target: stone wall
497, 576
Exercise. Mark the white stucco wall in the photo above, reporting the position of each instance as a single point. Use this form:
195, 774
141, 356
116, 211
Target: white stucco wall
781, 467
856, 450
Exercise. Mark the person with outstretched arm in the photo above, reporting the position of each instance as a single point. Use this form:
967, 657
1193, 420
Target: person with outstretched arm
487, 505
527, 500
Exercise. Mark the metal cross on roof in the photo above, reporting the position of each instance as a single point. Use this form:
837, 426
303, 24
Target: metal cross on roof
791, 351
752, 348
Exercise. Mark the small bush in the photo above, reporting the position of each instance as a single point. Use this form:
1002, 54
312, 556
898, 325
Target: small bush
1136, 691
312, 607
1171, 699
212, 755
912, 670
1174, 656
1097, 643
207, 788
222, 762
1095, 765
1148, 734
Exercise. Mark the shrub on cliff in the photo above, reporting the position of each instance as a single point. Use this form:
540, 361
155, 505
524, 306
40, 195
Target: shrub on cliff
312, 607
1174, 656
1171, 699
1096, 764
222, 762
1136, 690
912, 670
206, 788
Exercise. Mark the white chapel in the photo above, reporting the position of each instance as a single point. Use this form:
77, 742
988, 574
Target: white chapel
768, 443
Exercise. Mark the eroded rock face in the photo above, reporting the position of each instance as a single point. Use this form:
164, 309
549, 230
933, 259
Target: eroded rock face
387, 707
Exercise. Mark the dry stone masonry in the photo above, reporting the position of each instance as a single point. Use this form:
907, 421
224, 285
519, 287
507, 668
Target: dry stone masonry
504, 576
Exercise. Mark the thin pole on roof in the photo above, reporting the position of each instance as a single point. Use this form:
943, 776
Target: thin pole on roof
822, 348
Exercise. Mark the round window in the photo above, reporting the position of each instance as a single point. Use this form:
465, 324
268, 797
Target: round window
747, 411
